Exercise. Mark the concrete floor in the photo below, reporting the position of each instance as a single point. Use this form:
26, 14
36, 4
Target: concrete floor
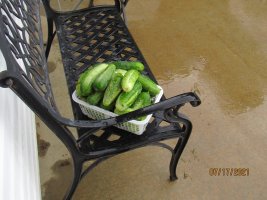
217, 49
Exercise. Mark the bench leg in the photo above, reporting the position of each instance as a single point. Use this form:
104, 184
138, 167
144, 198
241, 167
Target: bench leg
77, 165
177, 152
50, 38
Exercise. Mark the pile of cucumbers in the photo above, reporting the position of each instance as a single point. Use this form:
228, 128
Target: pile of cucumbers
119, 87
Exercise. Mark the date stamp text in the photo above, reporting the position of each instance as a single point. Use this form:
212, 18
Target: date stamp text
229, 171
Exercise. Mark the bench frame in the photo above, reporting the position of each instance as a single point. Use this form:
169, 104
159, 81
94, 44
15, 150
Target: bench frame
27, 75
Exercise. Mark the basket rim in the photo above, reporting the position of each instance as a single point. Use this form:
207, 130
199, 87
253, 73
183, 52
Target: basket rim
111, 114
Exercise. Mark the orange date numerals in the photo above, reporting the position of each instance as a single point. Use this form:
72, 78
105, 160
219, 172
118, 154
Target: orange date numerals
229, 171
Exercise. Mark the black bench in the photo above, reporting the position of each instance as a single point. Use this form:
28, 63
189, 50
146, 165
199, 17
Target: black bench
88, 36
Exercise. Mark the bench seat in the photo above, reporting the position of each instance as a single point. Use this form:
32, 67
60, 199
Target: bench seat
99, 35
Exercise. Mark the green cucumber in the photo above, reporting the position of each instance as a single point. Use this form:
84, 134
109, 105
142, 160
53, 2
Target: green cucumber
149, 85
90, 76
83, 75
127, 65
109, 107
129, 80
78, 90
103, 79
141, 118
78, 85
142, 100
113, 90
95, 98
118, 112
126, 99
120, 71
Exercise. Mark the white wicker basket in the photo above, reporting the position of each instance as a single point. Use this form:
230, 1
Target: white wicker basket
133, 126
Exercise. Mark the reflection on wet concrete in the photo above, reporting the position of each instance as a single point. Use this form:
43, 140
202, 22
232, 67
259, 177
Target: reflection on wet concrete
51, 66
222, 38
42, 146
63, 172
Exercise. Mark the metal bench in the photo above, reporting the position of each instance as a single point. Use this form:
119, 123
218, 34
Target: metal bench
88, 36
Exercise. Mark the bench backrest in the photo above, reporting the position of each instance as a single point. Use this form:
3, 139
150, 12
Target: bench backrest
21, 44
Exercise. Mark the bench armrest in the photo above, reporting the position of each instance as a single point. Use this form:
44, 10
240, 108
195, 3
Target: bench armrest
172, 102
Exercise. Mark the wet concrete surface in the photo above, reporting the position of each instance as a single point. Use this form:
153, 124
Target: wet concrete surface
42, 146
219, 50
60, 168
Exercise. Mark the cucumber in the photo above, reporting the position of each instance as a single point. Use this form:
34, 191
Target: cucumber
109, 107
120, 71
141, 118
127, 65
126, 99
95, 98
103, 79
113, 90
90, 76
78, 85
83, 75
118, 112
149, 85
142, 100
78, 90
129, 80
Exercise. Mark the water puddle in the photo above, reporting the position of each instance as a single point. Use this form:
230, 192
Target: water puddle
43, 146
220, 47
56, 187
51, 66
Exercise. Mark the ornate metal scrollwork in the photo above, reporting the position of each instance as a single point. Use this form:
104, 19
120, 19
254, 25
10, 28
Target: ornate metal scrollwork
21, 39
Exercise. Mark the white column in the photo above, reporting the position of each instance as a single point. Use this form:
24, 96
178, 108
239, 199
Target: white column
19, 169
